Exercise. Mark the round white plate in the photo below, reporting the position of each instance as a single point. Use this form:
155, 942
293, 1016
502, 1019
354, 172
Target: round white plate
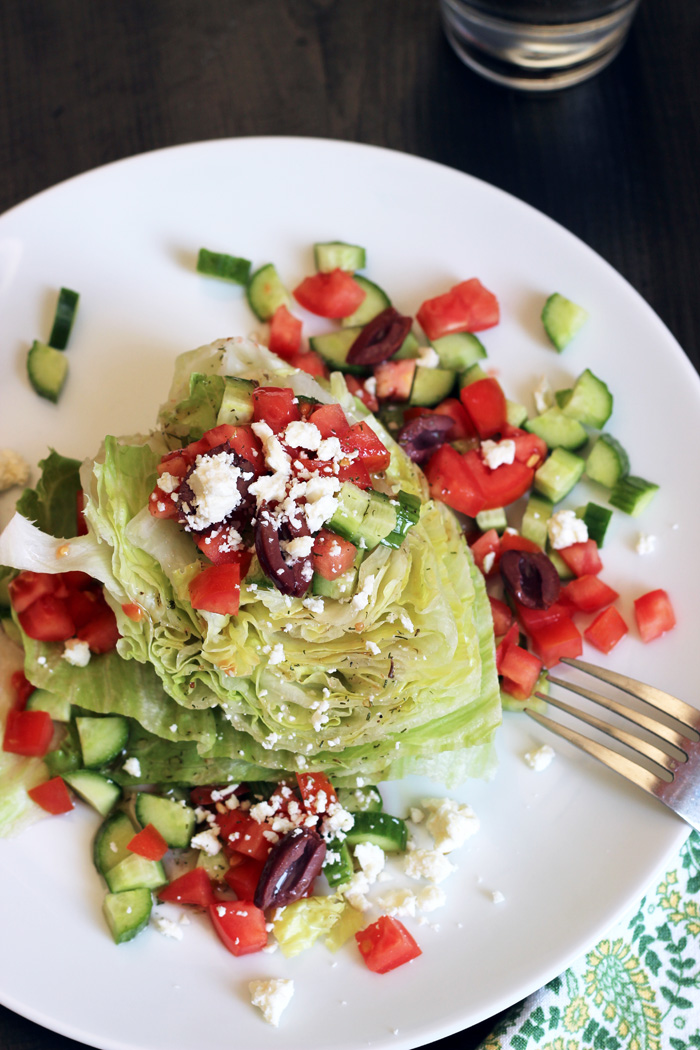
570, 848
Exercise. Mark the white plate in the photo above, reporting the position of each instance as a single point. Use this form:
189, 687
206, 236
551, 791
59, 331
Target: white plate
571, 848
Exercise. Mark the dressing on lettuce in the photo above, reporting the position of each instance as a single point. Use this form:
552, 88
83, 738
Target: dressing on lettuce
289, 683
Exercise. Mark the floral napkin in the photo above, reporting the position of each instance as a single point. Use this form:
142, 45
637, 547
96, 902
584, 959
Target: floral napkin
637, 989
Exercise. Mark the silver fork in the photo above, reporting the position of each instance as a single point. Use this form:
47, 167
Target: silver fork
675, 775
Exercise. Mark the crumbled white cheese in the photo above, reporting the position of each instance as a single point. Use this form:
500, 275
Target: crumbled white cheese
372, 647
416, 815
300, 434
361, 600
565, 528
271, 995
540, 758
132, 766
167, 927
645, 544
277, 655
321, 503
371, 859
497, 897
214, 482
428, 357
168, 482
207, 841
498, 453
430, 864
543, 395
76, 653
429, 898
487, 562
299, 547
398, 902
314, 605
449, 822
13, 469
276, 459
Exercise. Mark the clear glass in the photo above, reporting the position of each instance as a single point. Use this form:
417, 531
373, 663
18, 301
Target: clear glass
537, 45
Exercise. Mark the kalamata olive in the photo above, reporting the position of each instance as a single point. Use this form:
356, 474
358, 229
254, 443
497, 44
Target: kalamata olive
290, 868
240, 515
380, 338
530, 577
421, 436
291, 577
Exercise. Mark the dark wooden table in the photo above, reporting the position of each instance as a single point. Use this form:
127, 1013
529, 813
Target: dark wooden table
614, 160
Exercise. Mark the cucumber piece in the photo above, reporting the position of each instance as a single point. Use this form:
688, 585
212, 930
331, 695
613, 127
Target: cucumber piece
597, 519
534, 524
409, 349
492, 519
337, 255
562, 319
135, 872
563, 570
57, 706
607, 462
352, 518
472, 375
127, 913
557, 429
174, 821
67, 755
562, 396
382, 829
215, 867
632, 495
558, 474
516, 414
334, 347
340, 587
407, 514
374, 302
431, 386
458, 351
111, 841
101, 739
590, 401
66, 309
97, 790
340, 869
361, 799
265, 292
237, 402
227, 267
47, 369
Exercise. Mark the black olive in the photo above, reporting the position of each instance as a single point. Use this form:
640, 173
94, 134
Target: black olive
293, 579
380, 338
530, 577
423, 435
290, 868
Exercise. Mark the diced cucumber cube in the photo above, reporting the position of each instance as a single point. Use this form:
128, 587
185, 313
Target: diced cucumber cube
492, 519
607, 462
590, 401
458, 351
266, 292
102, 738
558, 474
557, 429
597, 519
59, 707
97, 790
226, 267
127, 913
374, 302
562, 319
337, 255
534, 524
633, 495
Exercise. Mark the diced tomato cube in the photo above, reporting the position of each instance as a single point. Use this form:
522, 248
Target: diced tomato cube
317, 792
395, 379
276, 406
358, 388
22, 689
467, 307
175, 463
520, 670
386, 944
513, 541
53, 796
356, 471
529, 448
534, 619
101, 632
217, 589
332, 555
28, 586
556, 639
239, 925
502, 616
453, 482
217, 546
462, 426
606, 630
243, 877
310, 362
582, 558
486, 551
372, 451
501, 486
162, 504
588, 594
28, 733
332, 294
245, 835
485, 403
330, 420
194, 887
47, 619
654, 615
509, 638
285, 333
148, 843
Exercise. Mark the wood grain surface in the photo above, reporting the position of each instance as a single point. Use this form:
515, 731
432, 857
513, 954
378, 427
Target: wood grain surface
615, 160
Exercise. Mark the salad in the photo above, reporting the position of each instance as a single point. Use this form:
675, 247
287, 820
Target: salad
267, 605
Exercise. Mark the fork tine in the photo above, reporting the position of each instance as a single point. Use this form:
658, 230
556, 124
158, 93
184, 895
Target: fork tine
643, 747
628, 769
674, 740
687, 716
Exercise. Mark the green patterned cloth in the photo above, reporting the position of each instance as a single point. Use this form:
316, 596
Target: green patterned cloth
637, 989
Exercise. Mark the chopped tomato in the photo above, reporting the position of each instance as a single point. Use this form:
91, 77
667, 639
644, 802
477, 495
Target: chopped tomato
509, 638
654, 615
248, 445
582, 558
239, 925
372, 451
52, 795
485, 404
317, 792
216, 545
354, 470
310, 362
502, 616
529, 448
588, 594
47, 619
332, 555
217, 589
243, 834
559, 638
606, 630
28, 733
162, 505
148, 843
454, 482
28, 586
285, 333
176, 463
330, 420
332, 294
462, 426
243, 877
101, 632
468, 307
534, 619
83, 606
386, 944
276, 406
395, 379
194, 887
22, 689
513, 541
520, 670
489, 543
210, 794
359, 389
501, 486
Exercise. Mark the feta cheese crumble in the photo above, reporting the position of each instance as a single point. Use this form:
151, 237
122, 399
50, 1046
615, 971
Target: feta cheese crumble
271, 996
449, 822
540, 758
430, 864
498, 453
645, 544
132, 766
76, 653
214, 482
565, 528
13, 469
